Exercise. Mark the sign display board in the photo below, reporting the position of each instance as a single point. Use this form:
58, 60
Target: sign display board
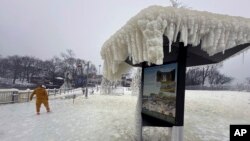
159, 92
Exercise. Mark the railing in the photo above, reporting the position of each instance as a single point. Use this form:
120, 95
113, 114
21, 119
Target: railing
59, 91
113, 91
20, 96
23, 96
8, 96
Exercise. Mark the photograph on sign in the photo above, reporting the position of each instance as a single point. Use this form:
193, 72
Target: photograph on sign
159, 92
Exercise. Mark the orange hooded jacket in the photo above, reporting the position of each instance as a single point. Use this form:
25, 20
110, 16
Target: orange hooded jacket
41, 94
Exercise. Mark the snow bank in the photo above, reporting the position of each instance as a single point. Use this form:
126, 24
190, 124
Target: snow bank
141, 38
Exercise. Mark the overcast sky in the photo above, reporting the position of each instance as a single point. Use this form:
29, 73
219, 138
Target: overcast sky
45, 28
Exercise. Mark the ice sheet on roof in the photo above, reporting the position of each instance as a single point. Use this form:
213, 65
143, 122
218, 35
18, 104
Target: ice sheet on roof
141, 38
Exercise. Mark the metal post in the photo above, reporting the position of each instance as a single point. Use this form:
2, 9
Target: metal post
86, 94
74, 96
99, 70
13, 97
54, 91
177, 131
28, 98
181, 83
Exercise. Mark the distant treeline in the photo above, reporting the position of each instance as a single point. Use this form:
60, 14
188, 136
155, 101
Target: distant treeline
208, 74
24, 68
210, 78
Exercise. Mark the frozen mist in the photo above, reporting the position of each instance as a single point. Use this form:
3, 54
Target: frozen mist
208, 115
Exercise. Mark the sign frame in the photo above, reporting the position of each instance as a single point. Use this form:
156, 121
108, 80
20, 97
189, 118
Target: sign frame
148, 120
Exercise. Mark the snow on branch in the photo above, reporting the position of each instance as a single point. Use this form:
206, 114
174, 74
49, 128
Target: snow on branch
141, 38
176, 3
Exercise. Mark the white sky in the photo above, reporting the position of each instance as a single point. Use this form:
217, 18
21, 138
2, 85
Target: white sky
45, 28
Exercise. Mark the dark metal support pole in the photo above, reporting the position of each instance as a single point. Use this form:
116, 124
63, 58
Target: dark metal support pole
182, 57
180, 98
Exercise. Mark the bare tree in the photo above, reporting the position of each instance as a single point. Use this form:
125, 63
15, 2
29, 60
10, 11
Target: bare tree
69, 54
49, 69
216, 78
15, 67
177, 4
212, 76
27, 63
193, 76
26, 67
200, 75
248, 80
4, 68
225, 79
68, 61
205, 72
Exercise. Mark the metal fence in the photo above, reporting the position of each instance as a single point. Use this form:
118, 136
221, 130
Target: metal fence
59, 91
20, 96
8, 96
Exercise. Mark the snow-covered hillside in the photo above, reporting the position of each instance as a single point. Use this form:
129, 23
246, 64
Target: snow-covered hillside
208, 115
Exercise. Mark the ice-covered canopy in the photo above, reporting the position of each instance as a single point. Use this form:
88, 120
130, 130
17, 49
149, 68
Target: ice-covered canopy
141, 39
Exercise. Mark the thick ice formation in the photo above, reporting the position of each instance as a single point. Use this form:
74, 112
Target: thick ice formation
136, 82
141, 38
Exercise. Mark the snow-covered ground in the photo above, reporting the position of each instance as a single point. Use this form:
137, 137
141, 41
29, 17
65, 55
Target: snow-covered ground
208, 115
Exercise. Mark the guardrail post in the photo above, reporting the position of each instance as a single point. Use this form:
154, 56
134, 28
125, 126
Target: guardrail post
28, 96
13, 97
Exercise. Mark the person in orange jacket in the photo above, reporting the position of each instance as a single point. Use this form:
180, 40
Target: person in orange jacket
41, 98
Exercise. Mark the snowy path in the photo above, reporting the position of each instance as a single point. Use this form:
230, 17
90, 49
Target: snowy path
112, 118
209, 114
98, 117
